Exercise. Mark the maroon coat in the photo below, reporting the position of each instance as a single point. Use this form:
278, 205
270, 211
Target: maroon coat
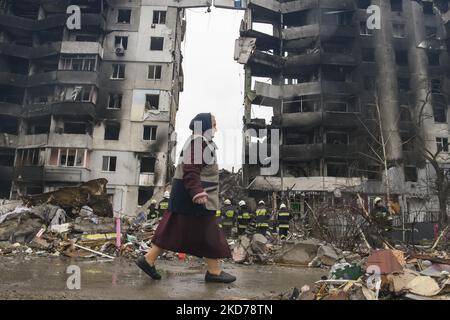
198, 235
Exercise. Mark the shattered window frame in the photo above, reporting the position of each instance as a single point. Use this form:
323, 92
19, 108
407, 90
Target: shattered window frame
399, 30
115, 101
124, 16
148, 101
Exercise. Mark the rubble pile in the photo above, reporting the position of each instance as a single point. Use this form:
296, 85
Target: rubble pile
230, 186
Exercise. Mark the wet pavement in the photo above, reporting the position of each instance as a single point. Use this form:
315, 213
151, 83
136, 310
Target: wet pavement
27, 277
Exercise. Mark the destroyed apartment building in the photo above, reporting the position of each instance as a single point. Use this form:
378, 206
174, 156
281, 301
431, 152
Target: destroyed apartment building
326, 72
99, 102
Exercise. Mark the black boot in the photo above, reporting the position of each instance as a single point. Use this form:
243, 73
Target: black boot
148, 269
223, 277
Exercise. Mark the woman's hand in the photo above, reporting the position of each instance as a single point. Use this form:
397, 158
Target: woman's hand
200, 198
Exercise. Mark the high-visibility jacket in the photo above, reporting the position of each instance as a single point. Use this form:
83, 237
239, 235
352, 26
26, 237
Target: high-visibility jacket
218, 214
262, 217
228, 215
284, 216
163, 205
152, 212
244, 217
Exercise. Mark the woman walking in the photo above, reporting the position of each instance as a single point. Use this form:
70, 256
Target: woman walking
190, 224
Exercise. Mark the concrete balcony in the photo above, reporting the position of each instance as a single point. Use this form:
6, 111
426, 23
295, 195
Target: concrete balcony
295, 63
77, 47
315, 30
8, 141
146, 179
10, 109
300, 5
340, 151
62, 108
303, 121
29, 173
308, 152
64, 77
66, 174
25, 52
14, 79
264, 64
33, 140
80, 141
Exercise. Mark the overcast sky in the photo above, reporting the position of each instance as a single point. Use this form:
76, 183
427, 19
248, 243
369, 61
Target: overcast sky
213, 81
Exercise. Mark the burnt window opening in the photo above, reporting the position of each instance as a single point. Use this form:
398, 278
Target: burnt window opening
410, 173
152, 101
374, 173
337, 106
399, 30
38, 127
369, 83
115, 101
300, 18
124, 16
118, 71
363, 30
442, 144
401, 57
29, 157
144, 195
154, 72
156, 43
148, 164
371, 112
363, 4
302, 104
430, 32
112, 131
109, 164
396, 5
296, 170
428, 8
121, 42
333, 17
150, 132
9, 125
7, 160
159, 17
439, 112
86, 38
298, 139
81, 93
405, 114
337, 169
5, 189
368, 54
436, 86
75, 128
433, 58
404, 84
337, 74
336, 137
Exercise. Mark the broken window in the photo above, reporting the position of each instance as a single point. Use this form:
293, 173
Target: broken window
159, 17
405, 114
332, 73
337, 169
336, 137
79, 62
368, 54
148, 164
363, 30
38, 127
121, 42
302, 104
439, 112
112, 131
152, 101
396, 5
337, 106
401, 57
75, 128
109, 164
86, 38
442, 144
118, 71
369, 83
81, 93
296, 170
430, 32
297, 138
399, 30
363, 4
144, 195
29, 157
9, 125
436, 86
124, 16
374, 172
157, 43
411, 173
404, 84
115, 101
427, 7
433, 58
150, 132
154, 72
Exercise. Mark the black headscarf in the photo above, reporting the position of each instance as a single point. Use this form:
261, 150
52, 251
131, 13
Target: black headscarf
205, 119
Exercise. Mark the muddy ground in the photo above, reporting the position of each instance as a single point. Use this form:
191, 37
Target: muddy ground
26, 277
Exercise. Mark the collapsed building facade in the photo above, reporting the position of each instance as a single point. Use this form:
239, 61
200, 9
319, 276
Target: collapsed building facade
326, 74
98, 102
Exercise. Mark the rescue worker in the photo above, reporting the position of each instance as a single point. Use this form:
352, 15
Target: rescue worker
219, 218
163, 205
228, 218
262, 218
152, 212
382, 224
243, 218
283, 219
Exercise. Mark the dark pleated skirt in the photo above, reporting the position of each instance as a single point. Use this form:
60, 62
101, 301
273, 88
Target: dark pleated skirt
195, 235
